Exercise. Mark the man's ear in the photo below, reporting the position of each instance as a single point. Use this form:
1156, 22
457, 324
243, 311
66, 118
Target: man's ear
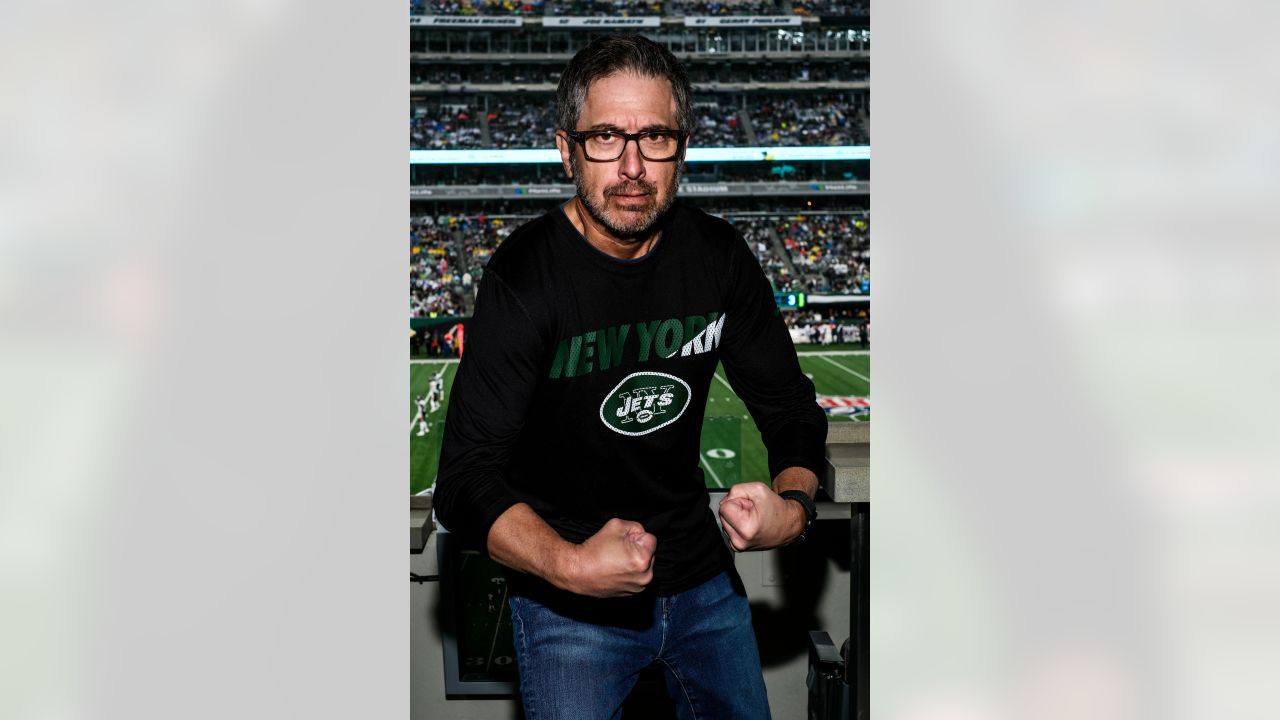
565, 146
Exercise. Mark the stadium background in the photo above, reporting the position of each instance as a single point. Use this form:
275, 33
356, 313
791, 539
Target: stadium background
781, 150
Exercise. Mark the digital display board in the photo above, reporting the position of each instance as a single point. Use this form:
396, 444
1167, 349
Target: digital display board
789, 300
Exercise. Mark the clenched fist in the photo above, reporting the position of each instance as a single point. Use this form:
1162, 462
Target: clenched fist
616, 561
756, 518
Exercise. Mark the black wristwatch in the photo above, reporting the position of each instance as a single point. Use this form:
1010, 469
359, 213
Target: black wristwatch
810, 510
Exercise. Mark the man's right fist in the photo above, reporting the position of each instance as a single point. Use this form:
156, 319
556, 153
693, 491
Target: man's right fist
616, 561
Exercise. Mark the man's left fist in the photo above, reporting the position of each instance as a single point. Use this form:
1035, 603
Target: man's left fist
756, 518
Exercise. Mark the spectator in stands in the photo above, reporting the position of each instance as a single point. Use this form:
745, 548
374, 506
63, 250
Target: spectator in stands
716, 127
726, 7
830, 252
444, 127
849, 8
806, 120
589, 8
480, 7
526, 125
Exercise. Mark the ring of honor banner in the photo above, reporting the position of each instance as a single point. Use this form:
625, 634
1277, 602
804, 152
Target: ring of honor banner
590, 22
742, 21
472, 21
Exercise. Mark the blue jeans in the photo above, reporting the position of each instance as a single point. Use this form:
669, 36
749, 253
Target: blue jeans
580, 660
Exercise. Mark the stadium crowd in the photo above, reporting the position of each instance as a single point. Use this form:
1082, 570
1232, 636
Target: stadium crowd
829, 253
476, 7
635, 8
447, 258
716, 126
445, 127
525, 125
755, 230
814, 253
741, 73
848, 8
617, 8
432, 290
473, 74
828, 328
807, 120
701, 74
725, 7
552, 174
793, 120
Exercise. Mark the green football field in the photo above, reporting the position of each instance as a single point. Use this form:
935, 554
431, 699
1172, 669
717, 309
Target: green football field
731, 447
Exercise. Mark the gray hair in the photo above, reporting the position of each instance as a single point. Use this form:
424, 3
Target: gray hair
613, 54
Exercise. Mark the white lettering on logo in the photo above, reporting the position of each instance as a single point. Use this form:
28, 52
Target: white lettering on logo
649, 401
705, 341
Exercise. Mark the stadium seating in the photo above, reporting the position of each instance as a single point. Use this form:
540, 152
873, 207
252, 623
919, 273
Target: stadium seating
447, 259
724, 120
848, 8
444, 127
813, 253
829, 253
639, 8
807, 120
616, 8
727, 7
754, 87
476, 7
432, 286
522, 125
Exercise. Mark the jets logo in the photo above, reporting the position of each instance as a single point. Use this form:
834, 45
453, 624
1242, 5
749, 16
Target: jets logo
644, 402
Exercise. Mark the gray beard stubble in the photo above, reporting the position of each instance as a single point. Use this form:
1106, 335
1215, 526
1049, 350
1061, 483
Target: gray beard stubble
597, 212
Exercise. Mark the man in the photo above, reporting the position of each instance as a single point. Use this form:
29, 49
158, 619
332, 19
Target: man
454, 339
420, 419
572, 443
435, 390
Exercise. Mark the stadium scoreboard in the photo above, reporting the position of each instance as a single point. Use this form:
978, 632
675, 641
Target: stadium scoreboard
789, 300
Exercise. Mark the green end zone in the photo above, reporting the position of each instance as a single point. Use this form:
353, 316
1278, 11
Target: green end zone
731, 451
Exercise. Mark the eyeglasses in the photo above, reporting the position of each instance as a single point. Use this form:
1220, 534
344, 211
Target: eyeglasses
608, 145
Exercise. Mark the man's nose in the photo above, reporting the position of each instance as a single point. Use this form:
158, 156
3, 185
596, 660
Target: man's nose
631, 164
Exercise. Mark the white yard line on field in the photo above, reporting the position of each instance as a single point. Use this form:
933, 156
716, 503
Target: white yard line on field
707, 465
502, 606
842, 367
822, 353
724, 382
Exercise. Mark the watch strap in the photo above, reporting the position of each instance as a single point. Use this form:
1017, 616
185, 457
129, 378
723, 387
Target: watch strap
806, 502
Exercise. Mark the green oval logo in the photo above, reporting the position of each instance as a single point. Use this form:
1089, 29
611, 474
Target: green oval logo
644, 402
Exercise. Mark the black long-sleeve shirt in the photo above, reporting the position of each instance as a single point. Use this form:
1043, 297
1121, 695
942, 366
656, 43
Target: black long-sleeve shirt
585, 379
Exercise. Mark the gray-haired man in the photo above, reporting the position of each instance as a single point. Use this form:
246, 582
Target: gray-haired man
571, 448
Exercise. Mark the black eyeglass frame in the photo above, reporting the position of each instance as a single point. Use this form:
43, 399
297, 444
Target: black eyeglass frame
581, 137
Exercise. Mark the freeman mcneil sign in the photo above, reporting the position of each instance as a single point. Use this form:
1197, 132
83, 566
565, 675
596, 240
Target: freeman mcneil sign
472, 21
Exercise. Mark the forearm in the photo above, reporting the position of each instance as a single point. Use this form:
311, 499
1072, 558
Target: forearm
796, 478
521, 540
616, 561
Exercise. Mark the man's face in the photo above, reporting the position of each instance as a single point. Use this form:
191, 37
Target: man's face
626, 196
